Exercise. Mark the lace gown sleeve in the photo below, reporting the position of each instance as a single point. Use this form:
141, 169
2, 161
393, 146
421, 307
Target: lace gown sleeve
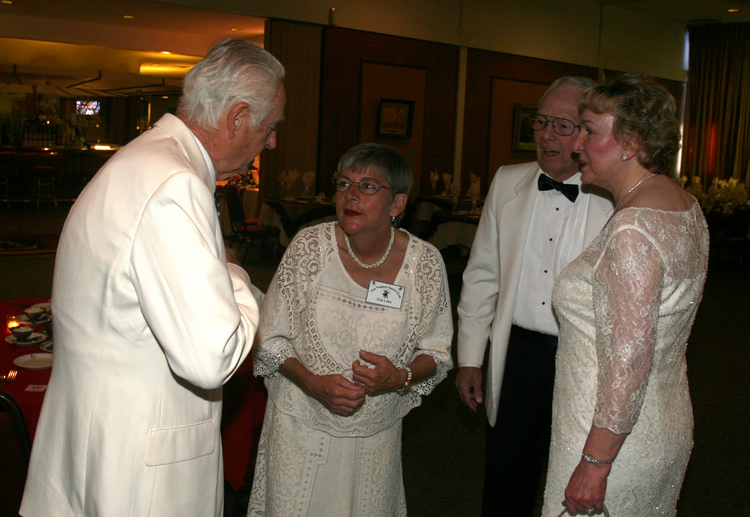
437, 327
627, 289
283, 306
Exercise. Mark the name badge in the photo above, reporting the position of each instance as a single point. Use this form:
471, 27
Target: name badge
386, 295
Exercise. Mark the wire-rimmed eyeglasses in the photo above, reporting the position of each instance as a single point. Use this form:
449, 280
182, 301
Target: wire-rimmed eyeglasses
562, 126
367, 187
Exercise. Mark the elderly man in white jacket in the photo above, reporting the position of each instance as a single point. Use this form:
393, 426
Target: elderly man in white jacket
150, 319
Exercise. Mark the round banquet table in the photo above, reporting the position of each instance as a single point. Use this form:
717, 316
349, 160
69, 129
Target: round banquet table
244, 398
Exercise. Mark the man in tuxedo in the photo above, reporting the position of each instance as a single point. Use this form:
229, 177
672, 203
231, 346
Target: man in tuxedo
151, 316
536, 220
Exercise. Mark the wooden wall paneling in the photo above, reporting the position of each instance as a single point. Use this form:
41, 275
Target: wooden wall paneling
344, 52
381, 81
298, 47
485, 67
505, 94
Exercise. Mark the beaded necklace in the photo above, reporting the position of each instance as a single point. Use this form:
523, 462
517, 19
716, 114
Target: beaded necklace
362, 264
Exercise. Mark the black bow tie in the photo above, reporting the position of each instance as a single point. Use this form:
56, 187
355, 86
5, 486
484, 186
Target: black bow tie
547, 183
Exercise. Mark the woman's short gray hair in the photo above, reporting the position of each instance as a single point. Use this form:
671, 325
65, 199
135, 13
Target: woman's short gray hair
233, 71
383, 160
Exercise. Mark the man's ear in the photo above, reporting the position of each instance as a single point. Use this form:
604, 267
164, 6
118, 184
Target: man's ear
238, 115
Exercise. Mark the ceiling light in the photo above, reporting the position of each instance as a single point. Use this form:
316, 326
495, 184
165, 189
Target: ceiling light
128, 16
733, 10
6, 1
175, 70
235, 30
165, 52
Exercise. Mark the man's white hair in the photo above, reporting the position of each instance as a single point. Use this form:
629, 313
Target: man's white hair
233, 71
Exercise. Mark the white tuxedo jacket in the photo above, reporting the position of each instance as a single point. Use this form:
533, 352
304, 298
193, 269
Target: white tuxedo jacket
490, 281
148, 325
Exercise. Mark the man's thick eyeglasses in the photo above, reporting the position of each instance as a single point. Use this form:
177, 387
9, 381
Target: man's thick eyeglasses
367, 187
562, 126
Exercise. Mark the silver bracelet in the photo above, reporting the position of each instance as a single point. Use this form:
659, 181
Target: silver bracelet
403, 390
591, 459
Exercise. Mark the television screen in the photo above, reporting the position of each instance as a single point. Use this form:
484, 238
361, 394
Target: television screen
87, 107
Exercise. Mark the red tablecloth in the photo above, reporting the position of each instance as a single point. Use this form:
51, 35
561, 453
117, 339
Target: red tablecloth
30, 402
244, 398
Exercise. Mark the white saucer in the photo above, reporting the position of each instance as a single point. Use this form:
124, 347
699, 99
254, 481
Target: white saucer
34, 361
34, 338
46, 347
44, 319
43, 305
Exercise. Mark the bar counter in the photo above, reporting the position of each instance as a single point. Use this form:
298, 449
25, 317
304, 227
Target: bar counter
70, 167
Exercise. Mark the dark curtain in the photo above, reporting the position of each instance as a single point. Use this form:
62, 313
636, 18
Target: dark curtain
717, 111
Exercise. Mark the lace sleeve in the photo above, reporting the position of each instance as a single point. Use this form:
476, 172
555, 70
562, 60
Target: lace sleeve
627, 289
437, 325
284, 304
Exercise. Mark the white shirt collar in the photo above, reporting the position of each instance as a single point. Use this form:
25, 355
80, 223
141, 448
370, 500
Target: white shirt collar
211, 169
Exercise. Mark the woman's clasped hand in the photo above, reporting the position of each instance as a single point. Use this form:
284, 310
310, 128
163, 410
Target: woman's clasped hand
378, 374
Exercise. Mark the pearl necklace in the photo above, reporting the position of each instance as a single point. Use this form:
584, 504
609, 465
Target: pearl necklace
362, 264
633, 188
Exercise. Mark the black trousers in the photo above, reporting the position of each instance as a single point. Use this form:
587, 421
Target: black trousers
518, 444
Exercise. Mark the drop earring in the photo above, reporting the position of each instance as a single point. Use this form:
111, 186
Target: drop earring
625, 157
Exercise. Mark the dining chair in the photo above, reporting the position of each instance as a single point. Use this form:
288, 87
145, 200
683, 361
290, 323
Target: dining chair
247, 231
44, 184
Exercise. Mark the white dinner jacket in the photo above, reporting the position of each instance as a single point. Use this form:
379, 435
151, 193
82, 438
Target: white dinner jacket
149, 323
491, 277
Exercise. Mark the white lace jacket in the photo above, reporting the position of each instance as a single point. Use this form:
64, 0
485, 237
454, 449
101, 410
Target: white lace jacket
315, 312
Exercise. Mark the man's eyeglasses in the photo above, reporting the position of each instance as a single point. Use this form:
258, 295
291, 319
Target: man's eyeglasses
562, 126
367, 187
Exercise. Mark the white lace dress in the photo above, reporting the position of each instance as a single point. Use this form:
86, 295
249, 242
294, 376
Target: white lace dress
626, 306
310, 461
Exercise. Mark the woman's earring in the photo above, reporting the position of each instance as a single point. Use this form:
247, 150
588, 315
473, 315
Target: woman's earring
393, 220
625, 157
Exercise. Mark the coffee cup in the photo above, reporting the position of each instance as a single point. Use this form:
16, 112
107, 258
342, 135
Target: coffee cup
22, 332
34, 313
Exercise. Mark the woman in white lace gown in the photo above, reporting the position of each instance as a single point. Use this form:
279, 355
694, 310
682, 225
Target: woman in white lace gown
622, 419
356, 327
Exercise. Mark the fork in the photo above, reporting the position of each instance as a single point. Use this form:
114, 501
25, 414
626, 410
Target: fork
9, 378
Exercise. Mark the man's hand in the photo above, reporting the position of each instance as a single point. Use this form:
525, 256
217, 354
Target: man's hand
469, 384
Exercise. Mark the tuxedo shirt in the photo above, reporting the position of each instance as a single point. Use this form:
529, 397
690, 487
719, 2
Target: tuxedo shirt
555, 239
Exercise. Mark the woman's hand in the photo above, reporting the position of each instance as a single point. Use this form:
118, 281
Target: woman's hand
384, 377
586, 488
337, 393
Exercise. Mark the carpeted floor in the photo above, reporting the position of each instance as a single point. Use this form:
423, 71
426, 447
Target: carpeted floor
443, 442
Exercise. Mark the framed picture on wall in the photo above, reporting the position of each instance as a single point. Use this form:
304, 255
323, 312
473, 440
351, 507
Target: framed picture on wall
523, 128
395, 118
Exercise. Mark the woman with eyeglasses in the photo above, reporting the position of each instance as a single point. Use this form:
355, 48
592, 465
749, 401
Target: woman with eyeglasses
356, 327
